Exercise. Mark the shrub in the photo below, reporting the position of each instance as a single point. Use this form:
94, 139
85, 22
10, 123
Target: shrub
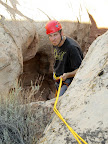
16, 120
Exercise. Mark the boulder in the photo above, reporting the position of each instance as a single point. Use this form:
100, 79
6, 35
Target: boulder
42, 113
20, 22
75, 22
72, 15
84, 105
17, 34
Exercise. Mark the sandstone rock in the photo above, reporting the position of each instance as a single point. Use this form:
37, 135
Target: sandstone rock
72, 15
17, 22
75, 22
17, 34
42, 113
84, 105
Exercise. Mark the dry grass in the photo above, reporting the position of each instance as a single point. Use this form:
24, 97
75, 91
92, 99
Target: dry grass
16, 121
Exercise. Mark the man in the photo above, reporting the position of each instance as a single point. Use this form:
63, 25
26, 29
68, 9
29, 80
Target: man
67, 53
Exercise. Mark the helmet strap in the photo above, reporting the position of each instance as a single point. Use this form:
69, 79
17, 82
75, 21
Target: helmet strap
61, 38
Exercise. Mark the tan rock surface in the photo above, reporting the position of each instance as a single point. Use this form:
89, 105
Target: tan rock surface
16, 35
84, 105
75, 22
42, 113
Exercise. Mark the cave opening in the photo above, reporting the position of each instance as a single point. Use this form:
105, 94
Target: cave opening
36, 73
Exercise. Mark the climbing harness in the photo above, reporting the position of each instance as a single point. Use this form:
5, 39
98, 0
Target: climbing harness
63, 83
57, 80
77, 137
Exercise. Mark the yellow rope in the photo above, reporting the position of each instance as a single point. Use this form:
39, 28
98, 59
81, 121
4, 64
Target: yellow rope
77, 137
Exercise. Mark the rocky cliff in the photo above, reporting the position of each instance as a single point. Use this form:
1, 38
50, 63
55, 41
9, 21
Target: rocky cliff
26, 52
85, 104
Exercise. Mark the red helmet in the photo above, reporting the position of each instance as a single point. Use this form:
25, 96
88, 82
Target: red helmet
52, 26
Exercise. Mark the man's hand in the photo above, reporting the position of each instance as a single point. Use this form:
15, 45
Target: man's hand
68, 75
64, 76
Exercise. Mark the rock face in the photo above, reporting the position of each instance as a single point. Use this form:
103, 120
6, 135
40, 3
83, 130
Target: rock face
75, 22
72, 15
16, 45
85, 104
20, 22
42, 112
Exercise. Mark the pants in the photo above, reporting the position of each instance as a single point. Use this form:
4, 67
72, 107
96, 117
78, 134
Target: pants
64, 86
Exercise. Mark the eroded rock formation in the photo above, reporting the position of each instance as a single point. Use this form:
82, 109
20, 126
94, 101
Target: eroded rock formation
25, 51
84, 105
27, 55
13, 47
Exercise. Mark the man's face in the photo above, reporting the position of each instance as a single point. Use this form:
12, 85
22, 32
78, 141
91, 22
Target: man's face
55, 38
